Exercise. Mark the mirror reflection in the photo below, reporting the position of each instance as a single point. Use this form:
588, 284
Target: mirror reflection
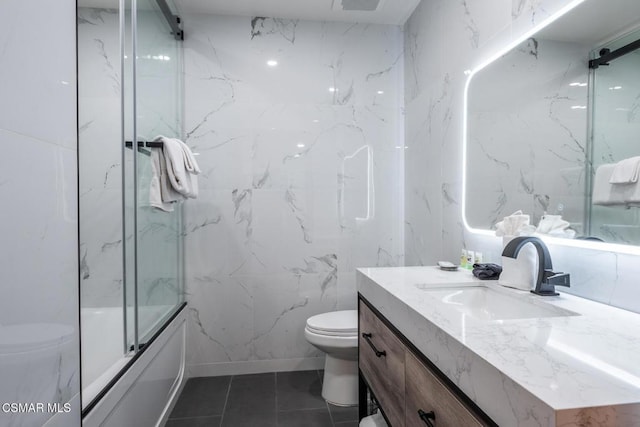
550, 121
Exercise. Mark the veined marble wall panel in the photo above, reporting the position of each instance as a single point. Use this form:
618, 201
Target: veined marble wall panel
302, 179
38, 171
435, 82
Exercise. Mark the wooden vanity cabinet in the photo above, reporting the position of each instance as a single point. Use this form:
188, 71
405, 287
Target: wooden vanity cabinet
381, 361
410, 391
425, 393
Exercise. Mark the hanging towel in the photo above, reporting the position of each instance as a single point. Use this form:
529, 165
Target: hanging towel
159, 197
626, 171
181, 167
602, 194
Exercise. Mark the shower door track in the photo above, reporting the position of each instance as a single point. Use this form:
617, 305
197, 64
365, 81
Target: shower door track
606, 55
172, 19
135, 357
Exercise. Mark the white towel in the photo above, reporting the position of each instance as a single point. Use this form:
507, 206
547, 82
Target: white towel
601, 194
607, 194
182, 169
375, 420
626, 171
521, 272
554, 225
515, 224
159, 196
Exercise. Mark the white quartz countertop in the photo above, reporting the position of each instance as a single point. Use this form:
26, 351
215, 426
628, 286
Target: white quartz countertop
535, 371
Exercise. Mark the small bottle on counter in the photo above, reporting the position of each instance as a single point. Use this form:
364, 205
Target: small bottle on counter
479, 259
470, 260
463, 258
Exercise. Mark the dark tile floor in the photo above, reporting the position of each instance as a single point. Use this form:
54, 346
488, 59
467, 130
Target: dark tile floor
282, 399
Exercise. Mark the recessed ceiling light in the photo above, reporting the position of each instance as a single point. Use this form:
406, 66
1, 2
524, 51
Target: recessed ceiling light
272, 63
380, 92
332, 89
301, 145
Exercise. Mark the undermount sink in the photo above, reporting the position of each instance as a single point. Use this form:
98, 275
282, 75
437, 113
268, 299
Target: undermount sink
487, 304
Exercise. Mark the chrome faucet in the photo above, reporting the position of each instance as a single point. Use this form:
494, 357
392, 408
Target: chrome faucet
546, 278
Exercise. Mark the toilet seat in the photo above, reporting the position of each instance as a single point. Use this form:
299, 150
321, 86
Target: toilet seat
334, 324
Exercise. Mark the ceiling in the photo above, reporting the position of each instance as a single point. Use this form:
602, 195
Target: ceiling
393, 12
593, 22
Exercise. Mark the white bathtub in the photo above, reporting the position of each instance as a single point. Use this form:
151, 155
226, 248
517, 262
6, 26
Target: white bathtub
103, 358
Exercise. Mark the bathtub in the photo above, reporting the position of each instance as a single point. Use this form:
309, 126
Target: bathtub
143, 393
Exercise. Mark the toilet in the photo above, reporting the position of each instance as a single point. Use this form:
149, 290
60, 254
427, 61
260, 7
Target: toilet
336, 333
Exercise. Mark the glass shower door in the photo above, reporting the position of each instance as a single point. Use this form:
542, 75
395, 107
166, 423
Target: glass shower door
129, 89
158, 76
615, 126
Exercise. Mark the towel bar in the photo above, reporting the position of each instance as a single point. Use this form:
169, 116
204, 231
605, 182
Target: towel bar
158, 144
142, 144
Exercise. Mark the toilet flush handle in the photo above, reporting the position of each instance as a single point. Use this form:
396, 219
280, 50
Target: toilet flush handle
367, 338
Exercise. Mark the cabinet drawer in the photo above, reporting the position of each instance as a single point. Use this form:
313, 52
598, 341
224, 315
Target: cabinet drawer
426, 393
381, 360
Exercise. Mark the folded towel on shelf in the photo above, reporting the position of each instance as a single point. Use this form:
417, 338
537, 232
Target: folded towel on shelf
181, 166
626, 171
607, 194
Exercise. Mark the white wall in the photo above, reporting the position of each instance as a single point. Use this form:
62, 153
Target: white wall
38, 169
300, 185
442, 39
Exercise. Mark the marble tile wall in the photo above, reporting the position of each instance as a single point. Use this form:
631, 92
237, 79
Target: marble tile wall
442, 39
38, 169
302, 180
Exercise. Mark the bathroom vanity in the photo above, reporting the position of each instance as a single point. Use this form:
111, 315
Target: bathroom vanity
472, 353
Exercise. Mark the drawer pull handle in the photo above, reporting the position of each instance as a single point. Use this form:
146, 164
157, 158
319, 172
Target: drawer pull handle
427, 417
378, 353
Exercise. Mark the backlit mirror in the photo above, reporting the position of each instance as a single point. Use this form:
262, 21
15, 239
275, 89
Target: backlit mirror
550, 121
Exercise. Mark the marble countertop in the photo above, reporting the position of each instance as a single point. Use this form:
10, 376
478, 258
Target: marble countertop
582, 369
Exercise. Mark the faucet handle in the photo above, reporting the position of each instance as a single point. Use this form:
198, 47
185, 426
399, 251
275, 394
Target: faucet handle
557, 278
550, 278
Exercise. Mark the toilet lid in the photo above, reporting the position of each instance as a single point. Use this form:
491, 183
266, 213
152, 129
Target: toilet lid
341, 323
32, 336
